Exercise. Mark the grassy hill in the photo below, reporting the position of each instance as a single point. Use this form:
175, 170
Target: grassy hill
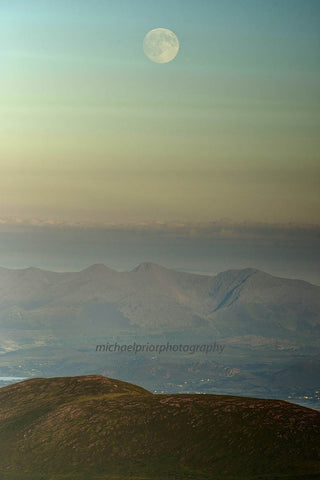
97, 428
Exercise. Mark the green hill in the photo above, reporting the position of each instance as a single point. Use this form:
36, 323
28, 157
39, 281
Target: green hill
97, 428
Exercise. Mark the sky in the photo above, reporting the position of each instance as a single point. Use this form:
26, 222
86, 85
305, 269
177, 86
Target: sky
92, 130
285, 250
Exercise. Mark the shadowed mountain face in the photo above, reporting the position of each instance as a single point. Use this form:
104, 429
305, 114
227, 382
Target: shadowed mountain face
155, 299
100, 428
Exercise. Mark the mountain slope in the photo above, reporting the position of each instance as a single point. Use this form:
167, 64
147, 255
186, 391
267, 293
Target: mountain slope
156, 299
99, 428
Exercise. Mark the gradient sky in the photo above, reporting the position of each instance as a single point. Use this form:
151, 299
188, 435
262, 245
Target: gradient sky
91, 129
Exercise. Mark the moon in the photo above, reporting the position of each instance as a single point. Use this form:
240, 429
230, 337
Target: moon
161, 45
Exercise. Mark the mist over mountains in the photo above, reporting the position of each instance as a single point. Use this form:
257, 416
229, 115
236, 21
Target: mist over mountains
244, 306
153, 298
51, 322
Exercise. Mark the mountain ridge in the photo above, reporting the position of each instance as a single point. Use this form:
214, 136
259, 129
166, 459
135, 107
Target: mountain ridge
147, 266
154, 297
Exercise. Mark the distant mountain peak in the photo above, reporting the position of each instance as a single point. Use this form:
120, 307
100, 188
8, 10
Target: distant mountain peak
242, 271
36, 273
35, 270
98, 268
148, 267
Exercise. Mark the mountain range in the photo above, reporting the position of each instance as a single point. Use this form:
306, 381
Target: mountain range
244, 303
269, 328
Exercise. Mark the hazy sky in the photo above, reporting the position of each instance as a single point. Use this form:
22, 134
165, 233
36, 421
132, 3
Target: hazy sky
92, 129
282, 250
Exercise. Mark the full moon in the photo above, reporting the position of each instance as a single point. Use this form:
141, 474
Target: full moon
161, 45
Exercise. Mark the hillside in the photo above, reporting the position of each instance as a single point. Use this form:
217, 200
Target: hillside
95, 427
